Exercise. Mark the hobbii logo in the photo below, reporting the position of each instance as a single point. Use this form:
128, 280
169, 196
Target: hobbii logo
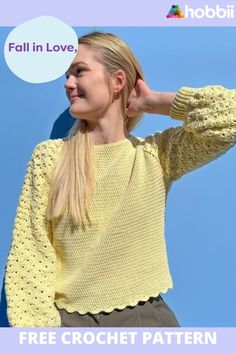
209, 12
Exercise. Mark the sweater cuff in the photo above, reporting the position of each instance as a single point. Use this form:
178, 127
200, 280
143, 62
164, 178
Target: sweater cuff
179, 106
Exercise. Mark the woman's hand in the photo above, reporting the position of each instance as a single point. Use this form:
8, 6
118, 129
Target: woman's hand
140, 99
143, 99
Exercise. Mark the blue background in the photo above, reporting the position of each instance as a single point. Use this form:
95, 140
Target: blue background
200, 214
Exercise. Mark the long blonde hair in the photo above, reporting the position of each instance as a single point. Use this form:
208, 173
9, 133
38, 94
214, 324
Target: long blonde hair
73, 181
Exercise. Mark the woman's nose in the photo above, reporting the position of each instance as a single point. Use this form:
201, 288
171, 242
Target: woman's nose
70, 83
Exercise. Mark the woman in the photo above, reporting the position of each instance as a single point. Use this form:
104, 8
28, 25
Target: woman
88, 243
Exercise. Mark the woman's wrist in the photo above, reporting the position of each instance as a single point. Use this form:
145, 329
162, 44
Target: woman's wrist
160, 102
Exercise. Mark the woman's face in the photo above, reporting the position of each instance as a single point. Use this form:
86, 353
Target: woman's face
87, 86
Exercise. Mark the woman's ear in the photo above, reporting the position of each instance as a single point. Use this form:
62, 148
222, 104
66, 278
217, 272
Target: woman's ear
119, 80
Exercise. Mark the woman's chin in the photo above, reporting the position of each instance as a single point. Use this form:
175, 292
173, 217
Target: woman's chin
75, 113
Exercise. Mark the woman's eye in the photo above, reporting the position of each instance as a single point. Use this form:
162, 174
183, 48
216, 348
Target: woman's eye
79, 71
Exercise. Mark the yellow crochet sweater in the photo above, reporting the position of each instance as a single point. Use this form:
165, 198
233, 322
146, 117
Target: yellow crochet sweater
121, 258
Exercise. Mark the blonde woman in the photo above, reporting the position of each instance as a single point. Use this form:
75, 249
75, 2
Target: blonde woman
88, 244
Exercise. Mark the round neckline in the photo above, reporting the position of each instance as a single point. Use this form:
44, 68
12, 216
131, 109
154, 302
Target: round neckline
116, 143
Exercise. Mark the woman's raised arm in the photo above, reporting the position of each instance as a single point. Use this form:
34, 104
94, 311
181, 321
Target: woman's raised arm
208, 130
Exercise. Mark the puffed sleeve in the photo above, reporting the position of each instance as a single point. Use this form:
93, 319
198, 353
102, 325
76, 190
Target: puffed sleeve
208, 130
31, 263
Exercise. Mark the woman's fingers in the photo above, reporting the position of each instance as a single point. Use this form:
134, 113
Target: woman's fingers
142, 88
138, 96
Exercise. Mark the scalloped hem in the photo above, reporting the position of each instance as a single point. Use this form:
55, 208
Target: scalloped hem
71, 309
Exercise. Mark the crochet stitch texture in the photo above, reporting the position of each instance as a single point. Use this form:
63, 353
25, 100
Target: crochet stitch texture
121, 258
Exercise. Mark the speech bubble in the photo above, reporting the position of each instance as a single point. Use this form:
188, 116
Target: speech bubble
40, 50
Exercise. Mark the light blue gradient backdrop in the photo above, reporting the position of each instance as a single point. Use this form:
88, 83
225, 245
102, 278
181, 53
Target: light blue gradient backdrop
200, 214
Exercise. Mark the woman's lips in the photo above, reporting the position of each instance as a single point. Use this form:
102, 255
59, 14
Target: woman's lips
74, 98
